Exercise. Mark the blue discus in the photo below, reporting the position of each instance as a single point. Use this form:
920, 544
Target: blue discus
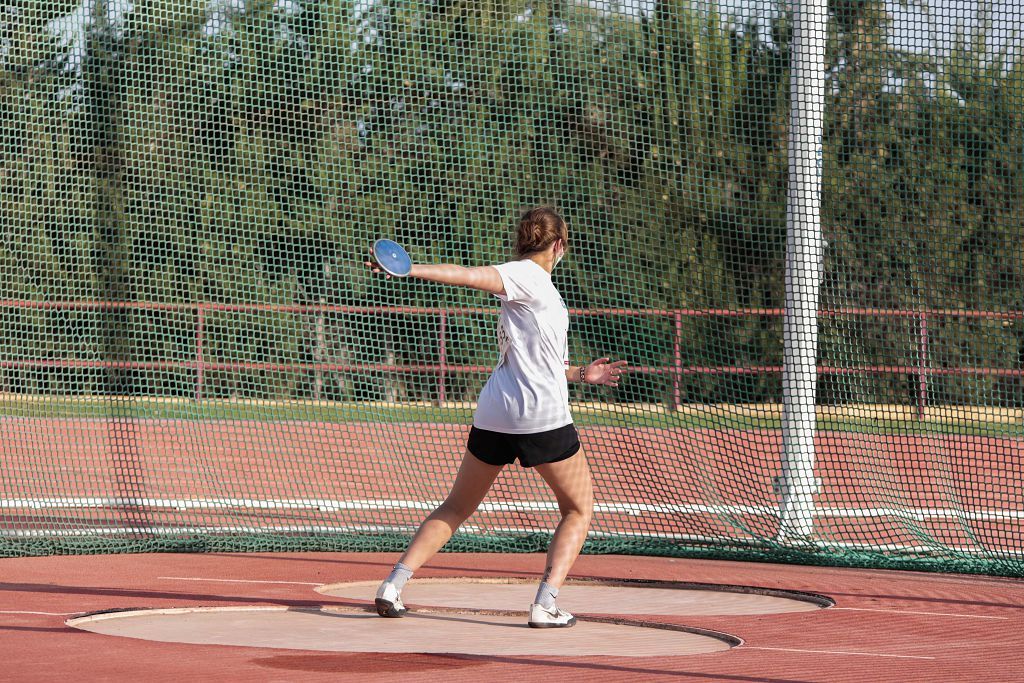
392, 258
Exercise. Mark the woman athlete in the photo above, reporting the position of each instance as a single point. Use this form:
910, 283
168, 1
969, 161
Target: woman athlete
522, 412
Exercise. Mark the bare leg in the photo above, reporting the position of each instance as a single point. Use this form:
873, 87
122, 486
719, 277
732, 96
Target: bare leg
571, 483
471, 485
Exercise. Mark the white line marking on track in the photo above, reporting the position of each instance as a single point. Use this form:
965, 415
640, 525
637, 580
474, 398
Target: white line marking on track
408, 529
199, 578
906, 611
610, 507
834, 652
45, 614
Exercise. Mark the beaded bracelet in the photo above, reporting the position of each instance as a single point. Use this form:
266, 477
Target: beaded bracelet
583, 374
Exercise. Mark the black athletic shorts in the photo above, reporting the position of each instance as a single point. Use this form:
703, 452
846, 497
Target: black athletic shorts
496, 448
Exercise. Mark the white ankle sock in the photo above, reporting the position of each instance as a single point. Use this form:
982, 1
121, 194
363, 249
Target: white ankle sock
399, 575
546, 595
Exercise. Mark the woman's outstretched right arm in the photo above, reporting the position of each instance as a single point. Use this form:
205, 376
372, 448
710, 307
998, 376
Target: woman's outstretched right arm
484, 278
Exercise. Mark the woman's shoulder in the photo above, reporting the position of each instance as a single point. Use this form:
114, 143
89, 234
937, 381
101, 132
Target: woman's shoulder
517, 264
526, 268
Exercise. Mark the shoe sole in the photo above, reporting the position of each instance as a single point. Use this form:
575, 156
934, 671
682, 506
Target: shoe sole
537, 624
386, 608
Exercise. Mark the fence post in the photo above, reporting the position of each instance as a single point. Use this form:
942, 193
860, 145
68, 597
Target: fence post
319, 353
804, 258
200, 322
442, 359
922, 364
677, 360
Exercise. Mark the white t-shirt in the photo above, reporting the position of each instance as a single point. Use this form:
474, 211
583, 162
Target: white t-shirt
528, 392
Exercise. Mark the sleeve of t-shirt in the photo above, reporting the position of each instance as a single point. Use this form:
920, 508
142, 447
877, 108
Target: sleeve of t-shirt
519, 281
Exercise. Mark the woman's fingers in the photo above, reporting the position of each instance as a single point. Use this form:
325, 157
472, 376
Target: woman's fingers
375, 267
610, 371
606, 361
614, 371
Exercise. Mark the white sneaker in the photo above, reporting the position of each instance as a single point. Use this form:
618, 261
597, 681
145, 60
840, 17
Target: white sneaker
550, 618
389, 601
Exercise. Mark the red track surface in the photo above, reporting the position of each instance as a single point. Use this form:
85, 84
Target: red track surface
963, 483
886, 626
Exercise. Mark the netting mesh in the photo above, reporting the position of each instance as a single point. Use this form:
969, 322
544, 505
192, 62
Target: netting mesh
193, 357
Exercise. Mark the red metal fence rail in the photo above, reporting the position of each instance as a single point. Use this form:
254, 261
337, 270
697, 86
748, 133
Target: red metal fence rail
200, 365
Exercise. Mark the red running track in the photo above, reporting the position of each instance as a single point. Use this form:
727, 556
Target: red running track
885, 626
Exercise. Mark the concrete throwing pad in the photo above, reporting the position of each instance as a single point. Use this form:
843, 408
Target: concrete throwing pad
346, 630
592, 597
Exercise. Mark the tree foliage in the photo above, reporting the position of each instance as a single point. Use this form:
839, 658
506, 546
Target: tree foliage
249, 153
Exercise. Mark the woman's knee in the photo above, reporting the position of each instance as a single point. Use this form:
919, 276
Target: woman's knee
581, 504
581, 513
453, 511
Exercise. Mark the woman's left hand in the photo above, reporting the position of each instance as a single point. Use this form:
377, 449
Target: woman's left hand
601, 371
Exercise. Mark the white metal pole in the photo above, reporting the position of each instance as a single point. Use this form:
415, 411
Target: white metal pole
797, 483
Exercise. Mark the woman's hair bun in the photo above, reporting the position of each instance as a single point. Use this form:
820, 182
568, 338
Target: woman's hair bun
538, 229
